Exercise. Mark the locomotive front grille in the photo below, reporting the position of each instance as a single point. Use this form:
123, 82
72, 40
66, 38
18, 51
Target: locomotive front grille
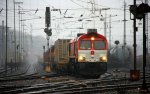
98, 56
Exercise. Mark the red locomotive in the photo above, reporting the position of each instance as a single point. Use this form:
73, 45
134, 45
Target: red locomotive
87, 54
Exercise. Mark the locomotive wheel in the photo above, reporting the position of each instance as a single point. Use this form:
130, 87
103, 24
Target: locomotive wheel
70, 68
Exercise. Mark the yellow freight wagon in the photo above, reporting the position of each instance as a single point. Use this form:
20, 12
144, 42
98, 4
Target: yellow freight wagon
60, 55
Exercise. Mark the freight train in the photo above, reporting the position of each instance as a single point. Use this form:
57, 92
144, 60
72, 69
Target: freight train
85, 55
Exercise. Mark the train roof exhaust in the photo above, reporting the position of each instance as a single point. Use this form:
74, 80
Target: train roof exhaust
89, 31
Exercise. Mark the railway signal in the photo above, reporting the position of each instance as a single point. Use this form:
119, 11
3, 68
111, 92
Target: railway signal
139, 10
48, 31
48, 22
47, 17
139, 13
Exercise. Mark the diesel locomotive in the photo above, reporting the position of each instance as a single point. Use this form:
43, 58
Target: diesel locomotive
85, 55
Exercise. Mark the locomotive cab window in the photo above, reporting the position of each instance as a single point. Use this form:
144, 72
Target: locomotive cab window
85, 44
99, 44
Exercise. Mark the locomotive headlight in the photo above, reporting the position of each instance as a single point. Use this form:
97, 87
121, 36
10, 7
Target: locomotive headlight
92, 38
81, 58
103, 58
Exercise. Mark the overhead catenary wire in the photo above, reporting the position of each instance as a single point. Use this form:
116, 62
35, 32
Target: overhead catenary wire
1, 10
102, 5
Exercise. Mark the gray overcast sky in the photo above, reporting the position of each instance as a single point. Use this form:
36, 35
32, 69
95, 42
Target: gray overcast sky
75, 9
68, 27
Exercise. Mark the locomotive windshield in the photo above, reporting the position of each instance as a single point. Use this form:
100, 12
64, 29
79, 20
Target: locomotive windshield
99, 44
85, 44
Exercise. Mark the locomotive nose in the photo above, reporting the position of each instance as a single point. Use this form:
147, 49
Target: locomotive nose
92, 52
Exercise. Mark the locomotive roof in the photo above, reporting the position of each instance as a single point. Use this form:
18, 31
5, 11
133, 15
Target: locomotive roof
85, 35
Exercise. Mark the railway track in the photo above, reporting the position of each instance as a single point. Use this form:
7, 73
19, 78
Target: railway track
13, 76
69, 86
89, 90
73, 87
